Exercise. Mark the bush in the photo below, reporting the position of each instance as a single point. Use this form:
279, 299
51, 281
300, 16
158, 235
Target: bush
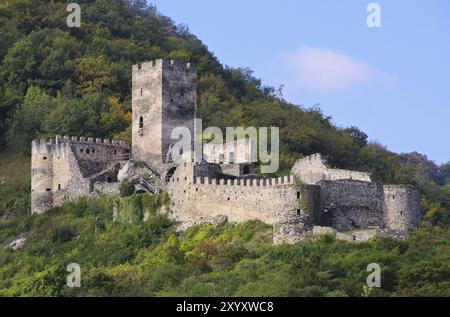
127, 188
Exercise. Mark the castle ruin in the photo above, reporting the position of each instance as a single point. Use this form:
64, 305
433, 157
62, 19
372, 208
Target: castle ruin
314, 199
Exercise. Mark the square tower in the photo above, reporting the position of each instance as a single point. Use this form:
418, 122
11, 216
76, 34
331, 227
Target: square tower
164, 96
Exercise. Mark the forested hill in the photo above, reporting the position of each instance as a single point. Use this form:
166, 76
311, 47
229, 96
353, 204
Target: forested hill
77, 81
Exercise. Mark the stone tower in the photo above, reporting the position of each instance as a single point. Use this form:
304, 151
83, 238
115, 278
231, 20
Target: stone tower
401, 207
164, 96
41, 176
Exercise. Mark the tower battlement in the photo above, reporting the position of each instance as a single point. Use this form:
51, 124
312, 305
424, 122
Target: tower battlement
142, 68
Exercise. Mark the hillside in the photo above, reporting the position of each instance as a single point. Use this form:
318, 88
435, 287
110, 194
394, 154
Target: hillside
57, 80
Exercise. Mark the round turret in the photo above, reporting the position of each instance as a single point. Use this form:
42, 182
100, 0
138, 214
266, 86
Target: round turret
41, 176
401, 207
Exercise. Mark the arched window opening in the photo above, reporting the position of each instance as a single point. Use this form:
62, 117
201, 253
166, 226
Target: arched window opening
170, 174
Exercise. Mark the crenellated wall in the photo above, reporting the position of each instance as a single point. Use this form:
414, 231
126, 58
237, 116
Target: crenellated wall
62, 168
274, 201
239, 200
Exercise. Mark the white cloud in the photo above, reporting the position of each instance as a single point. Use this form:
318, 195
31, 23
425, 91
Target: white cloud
325, 70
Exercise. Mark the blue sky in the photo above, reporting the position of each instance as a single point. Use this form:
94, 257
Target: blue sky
392, 82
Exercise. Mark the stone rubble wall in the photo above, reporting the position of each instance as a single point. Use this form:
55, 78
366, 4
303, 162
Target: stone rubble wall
203, 199
313, 169
61, 168
352, 204
401, 207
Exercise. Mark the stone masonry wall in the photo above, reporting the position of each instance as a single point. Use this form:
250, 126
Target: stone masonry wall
41, 175
179, 101
402, 207
352, 204
293, 227
164, 95
313, 169
62, 168
275, 201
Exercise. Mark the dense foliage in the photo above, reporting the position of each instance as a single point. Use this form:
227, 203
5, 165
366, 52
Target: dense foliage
148, 259
77, 81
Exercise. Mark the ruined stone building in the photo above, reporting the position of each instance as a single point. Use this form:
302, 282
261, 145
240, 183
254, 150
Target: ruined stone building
314, 199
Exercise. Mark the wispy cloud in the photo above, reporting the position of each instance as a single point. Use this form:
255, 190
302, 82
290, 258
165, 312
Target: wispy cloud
324, 70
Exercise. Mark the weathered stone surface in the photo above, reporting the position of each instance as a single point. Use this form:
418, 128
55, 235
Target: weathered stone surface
313, 169
126, 171
401, 207
352, 204
164, 97
67, 168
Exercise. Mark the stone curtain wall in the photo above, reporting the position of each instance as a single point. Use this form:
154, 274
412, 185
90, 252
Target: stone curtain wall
277, 201
205, 198
313, 169
352, 204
